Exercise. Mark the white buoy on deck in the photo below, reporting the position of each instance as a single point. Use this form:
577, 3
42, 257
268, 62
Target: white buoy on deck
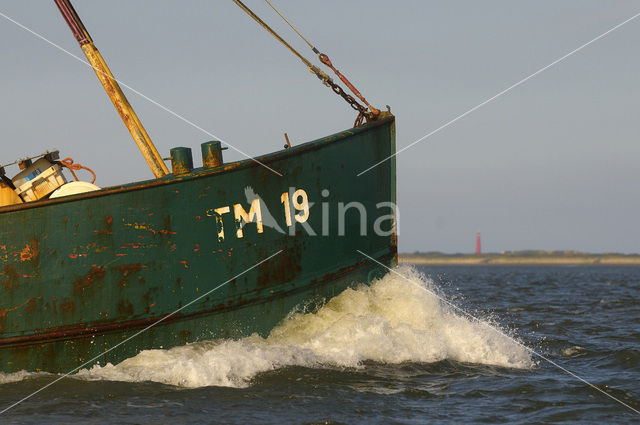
74, 188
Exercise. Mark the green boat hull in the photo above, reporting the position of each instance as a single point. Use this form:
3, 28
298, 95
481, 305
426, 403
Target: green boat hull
98, 277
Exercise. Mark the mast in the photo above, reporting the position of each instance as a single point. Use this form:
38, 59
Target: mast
113, 90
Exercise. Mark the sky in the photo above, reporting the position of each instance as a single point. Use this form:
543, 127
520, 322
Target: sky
551, 164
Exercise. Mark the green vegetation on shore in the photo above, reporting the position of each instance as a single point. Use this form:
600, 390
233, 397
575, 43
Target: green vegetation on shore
531, 257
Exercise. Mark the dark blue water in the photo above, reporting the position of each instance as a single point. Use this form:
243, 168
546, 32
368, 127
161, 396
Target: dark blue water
389, 354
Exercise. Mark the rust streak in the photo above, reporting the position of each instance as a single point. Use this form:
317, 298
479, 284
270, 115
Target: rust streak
12, 276
95, 274
4, 311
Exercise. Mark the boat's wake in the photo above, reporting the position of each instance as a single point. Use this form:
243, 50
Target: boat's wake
392, 321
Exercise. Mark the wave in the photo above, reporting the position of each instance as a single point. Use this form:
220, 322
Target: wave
392, 321
396, 319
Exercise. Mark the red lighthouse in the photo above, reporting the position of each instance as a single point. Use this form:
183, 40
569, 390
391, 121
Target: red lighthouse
478, 245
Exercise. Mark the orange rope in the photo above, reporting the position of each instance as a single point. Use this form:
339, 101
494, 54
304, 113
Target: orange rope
68, 163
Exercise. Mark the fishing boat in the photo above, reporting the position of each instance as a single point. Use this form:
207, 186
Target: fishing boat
96, 275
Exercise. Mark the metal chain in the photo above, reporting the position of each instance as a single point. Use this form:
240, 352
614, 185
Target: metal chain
324, 59
326, 80
350, 100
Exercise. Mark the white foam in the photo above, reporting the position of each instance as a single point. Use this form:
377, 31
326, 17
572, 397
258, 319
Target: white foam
7, 378
573, 351
392, 321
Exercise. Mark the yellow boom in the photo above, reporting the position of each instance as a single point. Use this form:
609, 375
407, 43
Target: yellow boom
113, 90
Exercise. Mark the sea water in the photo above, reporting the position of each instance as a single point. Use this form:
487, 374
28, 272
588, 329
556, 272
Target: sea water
427, 345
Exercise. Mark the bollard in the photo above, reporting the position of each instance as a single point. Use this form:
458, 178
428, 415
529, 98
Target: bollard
211, 154
181, 160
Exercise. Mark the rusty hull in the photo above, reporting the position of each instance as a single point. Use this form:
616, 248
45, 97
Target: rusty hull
83, 273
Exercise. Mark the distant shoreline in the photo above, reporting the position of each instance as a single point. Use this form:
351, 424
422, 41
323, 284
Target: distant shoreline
521, 258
